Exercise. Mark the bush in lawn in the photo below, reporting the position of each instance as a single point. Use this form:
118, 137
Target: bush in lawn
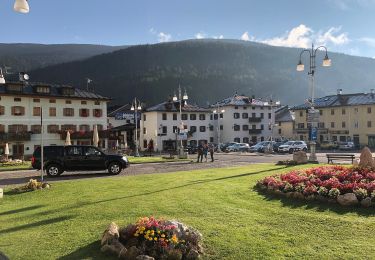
32, 185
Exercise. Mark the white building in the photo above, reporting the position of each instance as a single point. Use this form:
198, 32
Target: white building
161, 124
244, 119
63, 108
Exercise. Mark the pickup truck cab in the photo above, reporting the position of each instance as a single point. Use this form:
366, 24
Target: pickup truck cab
58, 159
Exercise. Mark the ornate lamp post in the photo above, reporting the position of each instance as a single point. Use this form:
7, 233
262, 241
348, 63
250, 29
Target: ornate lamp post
181, 98
300, 67
218, 112
135, 107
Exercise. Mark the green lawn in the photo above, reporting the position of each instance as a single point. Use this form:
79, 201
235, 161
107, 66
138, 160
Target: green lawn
21, 166
152, 159
236, 222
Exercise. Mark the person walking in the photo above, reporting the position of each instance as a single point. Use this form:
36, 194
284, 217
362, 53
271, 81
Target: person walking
200, 153
205, 150
212, 149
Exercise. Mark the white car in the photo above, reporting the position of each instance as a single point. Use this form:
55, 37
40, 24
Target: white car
293, 146
346, 146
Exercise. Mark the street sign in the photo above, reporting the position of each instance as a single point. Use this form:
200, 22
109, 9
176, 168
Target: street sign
313, 115
182, 136
313, 133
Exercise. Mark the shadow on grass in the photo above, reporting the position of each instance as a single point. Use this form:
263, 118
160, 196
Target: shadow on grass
20, 210
317, 205
35, 224
90, 251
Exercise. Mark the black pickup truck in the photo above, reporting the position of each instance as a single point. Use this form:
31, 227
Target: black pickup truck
58, 159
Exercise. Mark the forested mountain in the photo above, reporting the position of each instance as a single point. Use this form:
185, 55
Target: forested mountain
210, 70
25, 56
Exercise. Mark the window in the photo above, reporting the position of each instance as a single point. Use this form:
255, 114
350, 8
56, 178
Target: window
301, 113
83, 102
332, 111
237, 139
202, 128
17, 128
84, 112
368, 123
18, 111
253, 115
269, 115
68, 111
193, 129
43, 89
262, 115
36, 129
356, 125
244, 108
202, 117
97, 103
245, 139
245, 115
332, 124
221, 115
164, 130
100, 127
69, 127
2, 110
369, 110
36, 100
193, 117
98, 112
321, 125
84, 128
175, 129
74, 150
184, 116
2, 128
216, 116
343, 124
17, 99
211, 139
145, 143
356, 110
261, 127
279, 131
52, 101
321, 112
68, 102
245, 127
253, 108
253, 127
174, 116
236, 115
144, 117
51, 129
211, 127
52, 111
343, 112
36, 111
236, 107
221, 127
236, 127
164, 116
144, 130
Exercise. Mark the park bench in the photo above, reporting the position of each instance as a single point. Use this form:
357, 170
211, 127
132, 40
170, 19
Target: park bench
340, 156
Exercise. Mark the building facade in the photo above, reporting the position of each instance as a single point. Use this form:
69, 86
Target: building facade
342, 117
24, 106
284, 124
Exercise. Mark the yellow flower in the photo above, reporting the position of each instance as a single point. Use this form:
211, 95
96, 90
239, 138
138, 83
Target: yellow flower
174, 239
150, 239
155, 238
162, 235
136, 234
158, 231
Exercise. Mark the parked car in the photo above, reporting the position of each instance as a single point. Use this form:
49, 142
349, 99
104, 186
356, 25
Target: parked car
191, 149
225, 146
328, 145
346, 145
240, 147
277, 144
260, 147
293, 146
58, 159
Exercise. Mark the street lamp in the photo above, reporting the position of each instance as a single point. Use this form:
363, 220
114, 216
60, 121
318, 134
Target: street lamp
135, 107
272, 104
181, 98
300, 67
218, 112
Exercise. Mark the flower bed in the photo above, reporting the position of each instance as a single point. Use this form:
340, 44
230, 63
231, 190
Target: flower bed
345, 185
151, 238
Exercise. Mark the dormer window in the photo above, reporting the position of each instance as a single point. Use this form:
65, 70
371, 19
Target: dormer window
14, 88
42, 89
67, 91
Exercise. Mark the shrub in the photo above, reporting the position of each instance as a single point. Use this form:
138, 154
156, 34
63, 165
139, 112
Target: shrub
333, 193
323, 191
360, 193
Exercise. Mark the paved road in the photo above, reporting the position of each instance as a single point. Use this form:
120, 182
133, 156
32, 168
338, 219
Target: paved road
221, 160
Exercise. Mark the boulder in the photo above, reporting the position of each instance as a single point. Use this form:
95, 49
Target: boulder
110, 235
365, 160
348, 199
116, 248
300, 157
366, 202
144, 257
298, 195
132, 253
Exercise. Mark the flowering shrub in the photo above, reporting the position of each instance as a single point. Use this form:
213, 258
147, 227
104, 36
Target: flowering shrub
325, 181
32, 185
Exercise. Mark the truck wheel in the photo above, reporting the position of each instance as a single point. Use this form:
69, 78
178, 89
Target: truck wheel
54, 170
114, 168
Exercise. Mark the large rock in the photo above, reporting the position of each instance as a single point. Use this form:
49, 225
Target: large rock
144, 257
365, 160
132, 253
348, 199
300, 157
366, 202
110, 234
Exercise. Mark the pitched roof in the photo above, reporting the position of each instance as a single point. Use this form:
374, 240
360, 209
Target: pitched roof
284, 114
170, 106
126, 109
341, 100
239, 100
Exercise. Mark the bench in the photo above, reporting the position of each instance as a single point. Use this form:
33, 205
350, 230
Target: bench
341, 156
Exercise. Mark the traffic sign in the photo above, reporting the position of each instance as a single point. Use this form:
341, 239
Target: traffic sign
314, 134
313, 115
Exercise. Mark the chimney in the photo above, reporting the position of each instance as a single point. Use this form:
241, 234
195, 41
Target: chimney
339, 91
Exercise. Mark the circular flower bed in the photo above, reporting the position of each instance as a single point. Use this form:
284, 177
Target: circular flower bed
151, 238
345, 185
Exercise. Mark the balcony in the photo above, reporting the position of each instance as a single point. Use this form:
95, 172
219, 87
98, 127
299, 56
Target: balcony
255, 131
255, 119
15, 137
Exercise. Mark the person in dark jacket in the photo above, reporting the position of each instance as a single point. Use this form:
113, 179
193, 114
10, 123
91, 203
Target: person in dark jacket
211, 148
200, 153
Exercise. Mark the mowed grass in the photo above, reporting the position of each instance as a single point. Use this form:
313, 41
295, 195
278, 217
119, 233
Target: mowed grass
153, 159
67, 221
12, 167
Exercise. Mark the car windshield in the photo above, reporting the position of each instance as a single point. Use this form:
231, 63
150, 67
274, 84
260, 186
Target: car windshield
290, 143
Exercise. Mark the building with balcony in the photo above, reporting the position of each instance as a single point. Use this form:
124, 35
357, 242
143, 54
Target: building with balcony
342, 117
61, 108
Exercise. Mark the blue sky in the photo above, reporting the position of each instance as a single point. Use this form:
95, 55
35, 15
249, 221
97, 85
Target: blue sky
342, 25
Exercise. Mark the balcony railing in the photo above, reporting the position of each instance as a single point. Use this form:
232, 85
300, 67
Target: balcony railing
255, 131
15, 137
255, 119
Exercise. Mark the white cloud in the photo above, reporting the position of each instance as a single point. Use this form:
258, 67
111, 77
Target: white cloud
164, 37
302, 37
218, 37
200, 35
245, 36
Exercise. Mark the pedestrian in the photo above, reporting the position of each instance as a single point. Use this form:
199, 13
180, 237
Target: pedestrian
200, 153
205, 150
212, 149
